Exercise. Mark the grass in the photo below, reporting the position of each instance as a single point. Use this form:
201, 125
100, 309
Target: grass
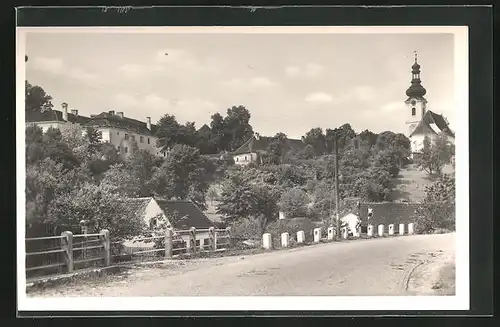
411, 182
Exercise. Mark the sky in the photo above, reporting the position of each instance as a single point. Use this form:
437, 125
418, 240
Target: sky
289, 82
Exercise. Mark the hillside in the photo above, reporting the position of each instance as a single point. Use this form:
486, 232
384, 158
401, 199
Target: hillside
411, 183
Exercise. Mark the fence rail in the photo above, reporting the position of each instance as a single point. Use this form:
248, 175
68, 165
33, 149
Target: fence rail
96, 248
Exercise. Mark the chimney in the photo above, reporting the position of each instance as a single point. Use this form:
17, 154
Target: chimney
120, 114
64, 106
148, 122
112, 112
74, 112
92, 116
257, 136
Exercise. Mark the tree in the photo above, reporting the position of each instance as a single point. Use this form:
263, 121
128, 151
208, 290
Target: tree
438, 208
435, 155
119, 180
36, 100
344, 134
100, 207
54, 147
276, 150
182, 176
168, 132
294, 202
237, 199
316, 139
237, 128
368, 138
266, 205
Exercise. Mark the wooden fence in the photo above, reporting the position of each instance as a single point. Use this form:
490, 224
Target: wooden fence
68, 252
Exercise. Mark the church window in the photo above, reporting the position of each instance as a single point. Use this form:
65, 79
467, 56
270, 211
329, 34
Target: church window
413, 111
245, 158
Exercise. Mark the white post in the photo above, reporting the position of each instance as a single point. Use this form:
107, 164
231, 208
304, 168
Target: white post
330, 233
410, 229
284, 240
401, 229
267, 241
391, 229
345, 233
301, 236
380, 230
370, 231
317, 235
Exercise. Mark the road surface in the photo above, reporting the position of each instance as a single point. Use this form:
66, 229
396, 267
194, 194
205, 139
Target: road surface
407, 265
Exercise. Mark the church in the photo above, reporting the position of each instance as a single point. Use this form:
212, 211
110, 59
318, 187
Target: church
422, 122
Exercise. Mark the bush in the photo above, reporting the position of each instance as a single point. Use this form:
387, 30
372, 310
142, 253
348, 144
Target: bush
246, 229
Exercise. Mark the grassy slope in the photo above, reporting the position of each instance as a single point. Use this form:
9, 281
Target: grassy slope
411, 183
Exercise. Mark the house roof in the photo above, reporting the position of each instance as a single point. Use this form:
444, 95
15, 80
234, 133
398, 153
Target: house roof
261, 143
432, 123
194, 217
54, 115
106, 119
387, 213
138, 205
204, 129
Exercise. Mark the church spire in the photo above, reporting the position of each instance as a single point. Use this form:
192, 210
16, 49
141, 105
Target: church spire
416, 90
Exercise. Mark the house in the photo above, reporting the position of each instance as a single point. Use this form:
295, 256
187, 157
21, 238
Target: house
115, 127
420, 121
55, 118
121, 131
175, 214
252, 150
351, 221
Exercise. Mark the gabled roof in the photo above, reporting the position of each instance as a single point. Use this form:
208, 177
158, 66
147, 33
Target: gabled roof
261, 143
204, 129
105, 119
432, 123
194, 217
138, 205
54, 115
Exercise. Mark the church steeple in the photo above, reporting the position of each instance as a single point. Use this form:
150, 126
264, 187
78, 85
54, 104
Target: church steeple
416, 90
416, 103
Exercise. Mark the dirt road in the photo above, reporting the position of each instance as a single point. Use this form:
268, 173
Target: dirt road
390, 266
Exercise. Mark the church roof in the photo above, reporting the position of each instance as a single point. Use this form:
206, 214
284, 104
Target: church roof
432, 123
261, 143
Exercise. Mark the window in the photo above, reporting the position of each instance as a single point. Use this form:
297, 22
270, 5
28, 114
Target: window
245, 158
141, 139
148, 140
126, 136
117, 133
118, 148
413, 111
126, 150
237, 159
152, 223
132, 137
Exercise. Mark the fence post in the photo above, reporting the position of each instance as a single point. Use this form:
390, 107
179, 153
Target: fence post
370, 231
192, 239
330, 233
267, 242
107, 247
284, 239
168, 243
211, 237
380, 230
391, 229
228, 235
301, 236
401, 229
67, 245
411, 230
317, 235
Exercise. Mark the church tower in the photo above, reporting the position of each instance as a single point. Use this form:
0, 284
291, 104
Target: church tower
415, 103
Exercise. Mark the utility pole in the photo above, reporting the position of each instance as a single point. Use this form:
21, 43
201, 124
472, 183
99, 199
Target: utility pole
337, 217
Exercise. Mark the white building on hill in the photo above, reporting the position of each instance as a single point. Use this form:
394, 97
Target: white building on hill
115, 127
422, 122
